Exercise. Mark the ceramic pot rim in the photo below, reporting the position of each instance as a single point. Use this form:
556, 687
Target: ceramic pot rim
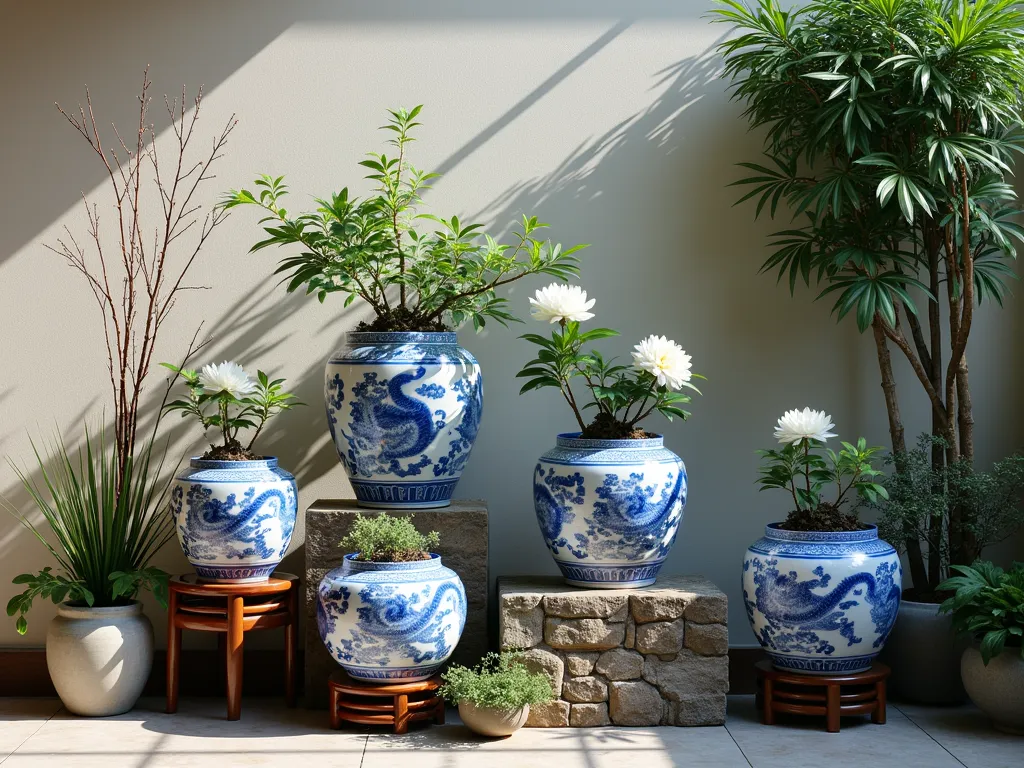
267, 462
572, 440
775, 532
408, 565
401, 337
69, 611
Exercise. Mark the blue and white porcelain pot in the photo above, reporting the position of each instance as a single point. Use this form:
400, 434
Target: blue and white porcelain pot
609, 510
386, 622
234, 518
821, 602
403, 410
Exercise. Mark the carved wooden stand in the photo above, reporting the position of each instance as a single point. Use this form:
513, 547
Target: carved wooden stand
232, 610
394, 704
862, 693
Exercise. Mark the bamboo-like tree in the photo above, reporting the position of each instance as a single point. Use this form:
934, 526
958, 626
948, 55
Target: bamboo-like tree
890, 127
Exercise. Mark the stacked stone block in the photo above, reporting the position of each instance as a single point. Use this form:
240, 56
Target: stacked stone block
656, 656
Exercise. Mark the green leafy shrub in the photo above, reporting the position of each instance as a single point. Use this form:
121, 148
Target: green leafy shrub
386, 539
988, 606
499, 681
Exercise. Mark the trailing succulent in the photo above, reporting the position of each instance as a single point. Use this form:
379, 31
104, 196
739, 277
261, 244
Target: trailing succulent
499, 681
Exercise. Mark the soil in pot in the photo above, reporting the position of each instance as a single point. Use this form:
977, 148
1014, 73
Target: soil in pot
401, 319
825, 517
233, 451
607, 427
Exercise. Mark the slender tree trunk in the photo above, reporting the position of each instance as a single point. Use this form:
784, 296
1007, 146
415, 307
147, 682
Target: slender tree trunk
933, 244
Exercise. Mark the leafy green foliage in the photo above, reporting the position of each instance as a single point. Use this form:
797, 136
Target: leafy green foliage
104, 524
922, 495
890, 129
499, 681
370, 248
807, 467
385, 539
232, 414
621, 394
988, 606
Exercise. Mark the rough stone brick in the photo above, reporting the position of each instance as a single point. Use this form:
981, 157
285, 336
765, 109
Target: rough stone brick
634, 703
580, 664
554, 714
583, 634
585, 690
699, 710
661, 637
620, 664
689, 675
587, 605
707, 639
589, 715
547, 663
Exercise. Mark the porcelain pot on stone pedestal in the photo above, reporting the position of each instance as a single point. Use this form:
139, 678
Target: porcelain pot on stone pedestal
821, 602
234, 518
609, 510
391, 622
403, 410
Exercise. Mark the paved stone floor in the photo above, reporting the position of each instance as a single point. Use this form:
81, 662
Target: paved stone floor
36, 732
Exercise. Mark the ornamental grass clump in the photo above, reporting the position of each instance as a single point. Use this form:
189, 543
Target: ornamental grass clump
805, 467
988, 606
386, 539
499, 681
237, 403
380, 250
622, 395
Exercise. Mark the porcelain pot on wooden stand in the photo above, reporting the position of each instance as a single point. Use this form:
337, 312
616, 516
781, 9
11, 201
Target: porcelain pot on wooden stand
391, 622
609, 510
99, 658
821, 602
403, 410
234, 518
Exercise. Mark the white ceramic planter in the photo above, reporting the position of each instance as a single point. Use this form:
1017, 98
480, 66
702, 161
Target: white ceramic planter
403, 410
99, 658
997, 689
496, 723
234, 518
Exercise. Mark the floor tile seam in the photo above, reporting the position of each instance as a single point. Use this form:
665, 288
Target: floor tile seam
26, 739
742, 752
926, 733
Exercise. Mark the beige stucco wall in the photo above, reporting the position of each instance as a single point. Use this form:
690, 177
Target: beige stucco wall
605, 119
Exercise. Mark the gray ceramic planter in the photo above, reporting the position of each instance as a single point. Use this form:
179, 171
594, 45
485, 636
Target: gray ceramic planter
924, 656
997, 689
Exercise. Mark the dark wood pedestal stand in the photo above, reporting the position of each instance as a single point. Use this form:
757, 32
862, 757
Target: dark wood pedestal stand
232, 610
394, 704
833, 696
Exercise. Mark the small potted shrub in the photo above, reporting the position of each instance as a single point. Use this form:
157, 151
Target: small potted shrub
234, 509
988, 609
391, 612
494, 697
609, 498
821, 589
404, 400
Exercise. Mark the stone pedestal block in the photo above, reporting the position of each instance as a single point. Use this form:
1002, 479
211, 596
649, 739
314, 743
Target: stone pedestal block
654, 656
463, 529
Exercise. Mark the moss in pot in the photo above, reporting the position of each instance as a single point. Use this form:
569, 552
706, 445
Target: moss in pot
494, 697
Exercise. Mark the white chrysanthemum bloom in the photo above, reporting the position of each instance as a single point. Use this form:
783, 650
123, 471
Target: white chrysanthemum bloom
795, 426
226, 377
560, 302
663, 359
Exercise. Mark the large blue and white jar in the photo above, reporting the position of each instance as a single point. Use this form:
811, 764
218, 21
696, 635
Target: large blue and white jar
403, 410
821, 602
609, 510
234, 518
388, 622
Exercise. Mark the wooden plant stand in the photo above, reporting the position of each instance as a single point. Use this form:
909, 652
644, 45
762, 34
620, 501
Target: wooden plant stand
394, 704
833, 696
232, 610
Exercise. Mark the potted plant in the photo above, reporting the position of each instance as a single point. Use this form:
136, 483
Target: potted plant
494, 697
392, 611
890, 134
234, 510
821, 590
609, 498
104, 503
404, 400
988, 609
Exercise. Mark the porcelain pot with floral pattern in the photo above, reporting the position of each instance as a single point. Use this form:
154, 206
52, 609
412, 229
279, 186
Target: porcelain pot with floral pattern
234, 518
821, 602
403, 410
609, 510
387, 622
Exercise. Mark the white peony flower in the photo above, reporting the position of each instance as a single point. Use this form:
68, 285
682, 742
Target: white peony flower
663, 359
795, 426
226, 377
560, 302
